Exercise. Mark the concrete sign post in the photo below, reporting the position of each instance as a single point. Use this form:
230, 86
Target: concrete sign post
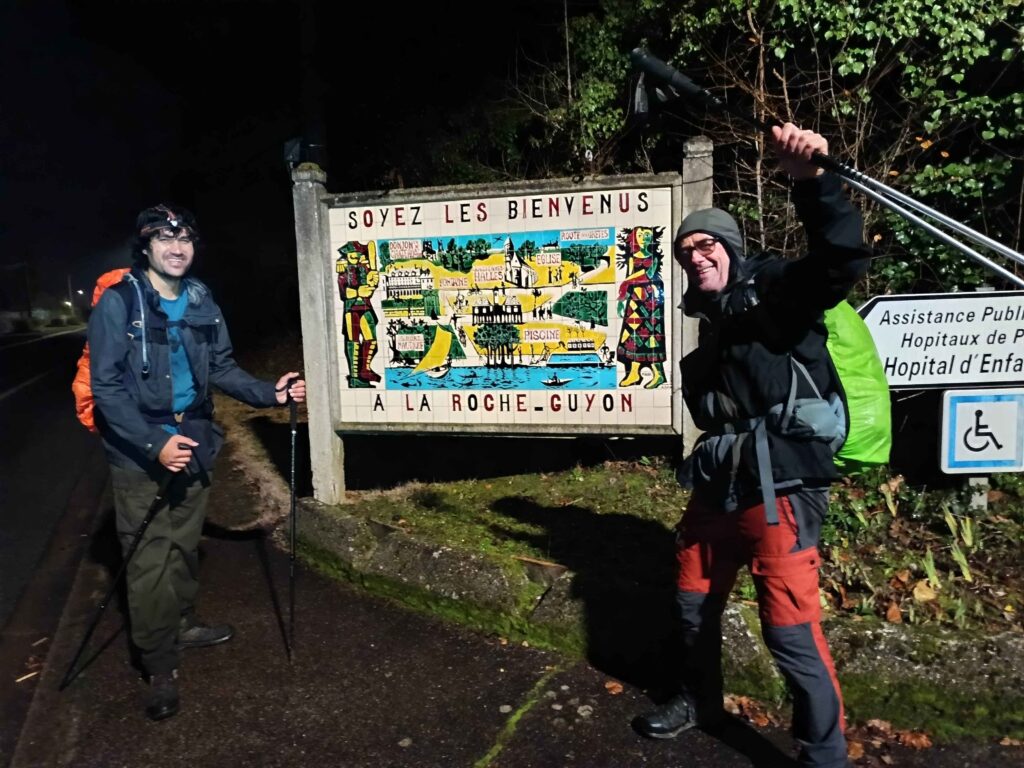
956, 339
983, 431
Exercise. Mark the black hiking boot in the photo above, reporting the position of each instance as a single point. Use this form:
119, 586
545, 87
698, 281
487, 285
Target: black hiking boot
162, 701
676, 715
195, 634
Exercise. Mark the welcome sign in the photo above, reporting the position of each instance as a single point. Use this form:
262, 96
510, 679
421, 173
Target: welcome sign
537, 311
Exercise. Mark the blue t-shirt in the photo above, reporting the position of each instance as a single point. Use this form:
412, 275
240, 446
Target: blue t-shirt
183, 385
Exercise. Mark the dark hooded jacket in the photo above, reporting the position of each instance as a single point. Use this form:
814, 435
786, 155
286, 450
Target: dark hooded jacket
130, 371
769, 313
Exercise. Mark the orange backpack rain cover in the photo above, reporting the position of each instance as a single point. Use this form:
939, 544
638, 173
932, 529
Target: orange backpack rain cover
81, 386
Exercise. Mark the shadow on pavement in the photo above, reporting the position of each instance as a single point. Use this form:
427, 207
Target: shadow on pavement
761, 752
259, 539
624, 576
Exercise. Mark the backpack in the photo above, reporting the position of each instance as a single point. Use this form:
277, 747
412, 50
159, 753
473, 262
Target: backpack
82, 386
853, 353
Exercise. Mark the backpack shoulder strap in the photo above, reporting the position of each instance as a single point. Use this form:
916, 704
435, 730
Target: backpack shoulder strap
130, 291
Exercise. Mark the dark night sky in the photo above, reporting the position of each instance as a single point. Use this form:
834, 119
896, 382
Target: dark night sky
111, 106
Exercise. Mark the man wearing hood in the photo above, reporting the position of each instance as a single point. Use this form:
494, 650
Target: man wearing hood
762, 387
157, 343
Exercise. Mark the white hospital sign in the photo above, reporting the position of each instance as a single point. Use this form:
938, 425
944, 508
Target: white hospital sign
983, 431
954, 339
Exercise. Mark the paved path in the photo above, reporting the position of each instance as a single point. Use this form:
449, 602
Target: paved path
372, 685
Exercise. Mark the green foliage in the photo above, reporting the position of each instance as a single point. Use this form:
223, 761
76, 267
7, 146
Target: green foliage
922, 96
924, 556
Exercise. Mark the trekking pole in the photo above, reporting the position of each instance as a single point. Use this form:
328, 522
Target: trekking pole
680, 85
158, 503
293, 417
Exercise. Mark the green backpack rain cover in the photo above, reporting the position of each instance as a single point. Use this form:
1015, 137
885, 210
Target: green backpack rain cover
860, 370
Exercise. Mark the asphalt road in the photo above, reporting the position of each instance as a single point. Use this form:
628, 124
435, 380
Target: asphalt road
45, 451
51, 476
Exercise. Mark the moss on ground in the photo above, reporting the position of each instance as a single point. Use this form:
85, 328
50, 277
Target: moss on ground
941, 710
515, 626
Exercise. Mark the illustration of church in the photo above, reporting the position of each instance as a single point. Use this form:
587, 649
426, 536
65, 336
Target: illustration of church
517, 271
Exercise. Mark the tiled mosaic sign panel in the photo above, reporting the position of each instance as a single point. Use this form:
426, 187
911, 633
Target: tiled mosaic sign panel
541, 310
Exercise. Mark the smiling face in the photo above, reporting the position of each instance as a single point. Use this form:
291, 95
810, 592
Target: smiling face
705, 260
170, 253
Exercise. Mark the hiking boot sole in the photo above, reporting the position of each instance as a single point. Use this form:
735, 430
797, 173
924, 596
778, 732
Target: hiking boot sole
203, 643
665, 734
156, 714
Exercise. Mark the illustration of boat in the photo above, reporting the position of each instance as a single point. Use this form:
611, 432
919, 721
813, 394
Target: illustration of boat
440, 372
580, 352
437, 363
554, 381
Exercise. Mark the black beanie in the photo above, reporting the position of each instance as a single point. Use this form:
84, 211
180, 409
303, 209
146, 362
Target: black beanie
716, 222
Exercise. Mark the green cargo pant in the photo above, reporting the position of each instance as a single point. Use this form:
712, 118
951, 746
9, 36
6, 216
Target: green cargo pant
163, 574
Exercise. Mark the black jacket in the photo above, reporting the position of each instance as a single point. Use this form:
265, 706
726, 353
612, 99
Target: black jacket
770, 312
130, 371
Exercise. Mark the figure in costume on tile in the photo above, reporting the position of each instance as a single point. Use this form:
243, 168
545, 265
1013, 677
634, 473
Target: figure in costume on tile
641, 305
357, 280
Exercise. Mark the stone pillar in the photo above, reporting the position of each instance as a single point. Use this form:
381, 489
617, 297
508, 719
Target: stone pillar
697, 193
319, 342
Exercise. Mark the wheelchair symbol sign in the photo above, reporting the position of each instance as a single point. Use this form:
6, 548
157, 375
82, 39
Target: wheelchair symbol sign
983, 430
978, 436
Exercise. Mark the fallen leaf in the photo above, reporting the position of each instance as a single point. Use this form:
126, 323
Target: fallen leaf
886, 759
854, 750
1006, 741
892, 614
914, 739
883, 726
613, 687
903, 575
751, 709
922, 592
926, 143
